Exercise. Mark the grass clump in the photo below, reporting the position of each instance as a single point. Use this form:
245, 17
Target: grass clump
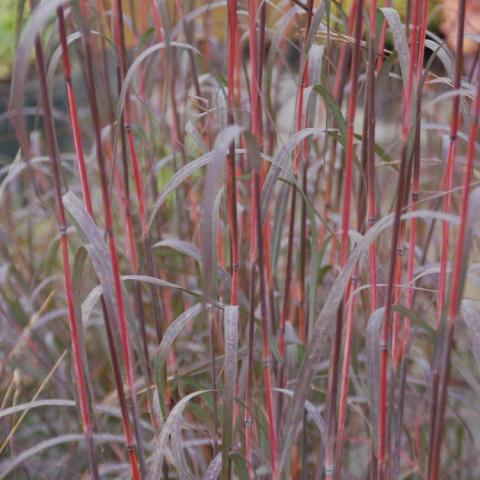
240, 252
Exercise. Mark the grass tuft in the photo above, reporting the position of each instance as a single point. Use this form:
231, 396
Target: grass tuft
238, 240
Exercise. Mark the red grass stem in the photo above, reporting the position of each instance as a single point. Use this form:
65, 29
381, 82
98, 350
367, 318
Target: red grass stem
447, 182
348, 187
108, 216
72, 105
396, 249
231, 174
79, 367
257, 248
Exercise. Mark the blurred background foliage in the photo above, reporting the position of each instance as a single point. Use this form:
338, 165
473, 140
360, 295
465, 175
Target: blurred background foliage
11, 12
10, 22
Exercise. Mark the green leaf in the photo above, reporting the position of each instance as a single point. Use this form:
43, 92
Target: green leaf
194, 252
180, 176
169, 337
334, 110
281, 162
38, 19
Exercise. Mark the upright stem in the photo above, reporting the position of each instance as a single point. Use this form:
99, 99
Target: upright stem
291, 227
416, 169
125, 125
395, 251
404, 340
253, 58
72, 106
370, 111
441, 373
108, 215
264, 169
231, 184
79, 367
341, 77
231, 176
396, 341
257, 248
348, 185
250, 366
450, 165
267, 356
106, 80
168, 64
119, 35
86, 197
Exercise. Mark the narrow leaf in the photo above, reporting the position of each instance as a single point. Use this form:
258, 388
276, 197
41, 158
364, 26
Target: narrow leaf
230, 380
